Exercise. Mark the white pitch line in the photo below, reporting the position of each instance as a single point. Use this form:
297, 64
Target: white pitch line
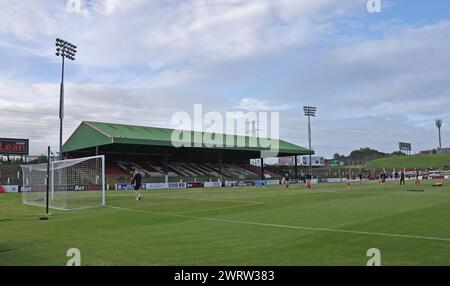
222, 208
290, 226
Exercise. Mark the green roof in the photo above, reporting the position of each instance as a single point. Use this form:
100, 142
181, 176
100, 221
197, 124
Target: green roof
91, 134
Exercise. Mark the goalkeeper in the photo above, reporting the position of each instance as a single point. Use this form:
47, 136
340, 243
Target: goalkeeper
136, 183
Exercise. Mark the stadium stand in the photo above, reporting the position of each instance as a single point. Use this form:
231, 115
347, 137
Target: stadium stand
151, 152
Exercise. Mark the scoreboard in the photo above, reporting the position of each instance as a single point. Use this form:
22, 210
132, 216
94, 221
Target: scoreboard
12, 146
402, 146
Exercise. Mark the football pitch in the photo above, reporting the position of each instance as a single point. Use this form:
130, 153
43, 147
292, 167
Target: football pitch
329, 225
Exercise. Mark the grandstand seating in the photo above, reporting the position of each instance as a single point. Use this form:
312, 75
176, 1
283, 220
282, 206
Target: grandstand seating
153, 170
122, 169
114, 169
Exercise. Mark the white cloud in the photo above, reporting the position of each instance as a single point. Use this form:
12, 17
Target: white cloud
112, 33
139, 61
255, 104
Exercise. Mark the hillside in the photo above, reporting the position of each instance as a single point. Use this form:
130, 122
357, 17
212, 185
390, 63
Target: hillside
411, 162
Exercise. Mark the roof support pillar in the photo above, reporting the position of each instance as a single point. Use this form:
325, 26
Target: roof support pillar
220, 164
165, 166
166, 162
296, 167
262, 169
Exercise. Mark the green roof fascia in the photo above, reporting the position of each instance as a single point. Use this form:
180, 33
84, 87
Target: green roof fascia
283, 150
154, 136
85, 137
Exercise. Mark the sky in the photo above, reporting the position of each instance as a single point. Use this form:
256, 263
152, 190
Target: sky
375, 78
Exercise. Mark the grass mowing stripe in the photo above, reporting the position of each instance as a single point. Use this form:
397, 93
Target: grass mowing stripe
192, 199
289, 226
222, 208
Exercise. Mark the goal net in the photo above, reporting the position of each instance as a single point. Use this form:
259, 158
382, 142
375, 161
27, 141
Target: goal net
73, 183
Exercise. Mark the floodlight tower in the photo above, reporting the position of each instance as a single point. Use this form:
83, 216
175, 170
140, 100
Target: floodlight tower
438, 125
65, 50
309, 111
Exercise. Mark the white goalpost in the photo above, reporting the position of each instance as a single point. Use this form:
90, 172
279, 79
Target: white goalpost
73, 183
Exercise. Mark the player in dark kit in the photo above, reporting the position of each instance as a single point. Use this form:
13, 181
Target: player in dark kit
383, 177
308, 181
402, 178
136, 183
286, 181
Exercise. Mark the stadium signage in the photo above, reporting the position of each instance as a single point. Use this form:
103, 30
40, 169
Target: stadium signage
79, 188
177, 185
260, 183
195, 185
231, 183
11, 146
212, 184
272, 182
125, 187
156, 186
160, 186
9, 188
402, 146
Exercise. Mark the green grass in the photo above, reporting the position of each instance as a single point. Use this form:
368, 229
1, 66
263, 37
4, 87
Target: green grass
411, 162
330, 225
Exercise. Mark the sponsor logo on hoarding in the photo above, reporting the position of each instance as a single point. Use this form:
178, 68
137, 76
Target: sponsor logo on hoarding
9, 188
76, 188
272, 182
10, 146
195, 185
212, 184
260, 183
126, 187
177, 185
246, 183
231, 183
156, 186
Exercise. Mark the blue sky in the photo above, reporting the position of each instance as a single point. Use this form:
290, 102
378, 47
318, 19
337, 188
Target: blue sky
376, 78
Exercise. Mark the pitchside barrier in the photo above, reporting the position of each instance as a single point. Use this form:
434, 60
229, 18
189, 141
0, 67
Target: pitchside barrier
213, 184
209, 184
194, 185
272, 182
182, 185
231, 183
206, 184
153, 186
9, 188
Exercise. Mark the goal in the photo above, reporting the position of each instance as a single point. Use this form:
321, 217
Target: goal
73, 183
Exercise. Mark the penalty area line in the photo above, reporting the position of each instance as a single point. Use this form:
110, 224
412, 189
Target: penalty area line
323, 229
